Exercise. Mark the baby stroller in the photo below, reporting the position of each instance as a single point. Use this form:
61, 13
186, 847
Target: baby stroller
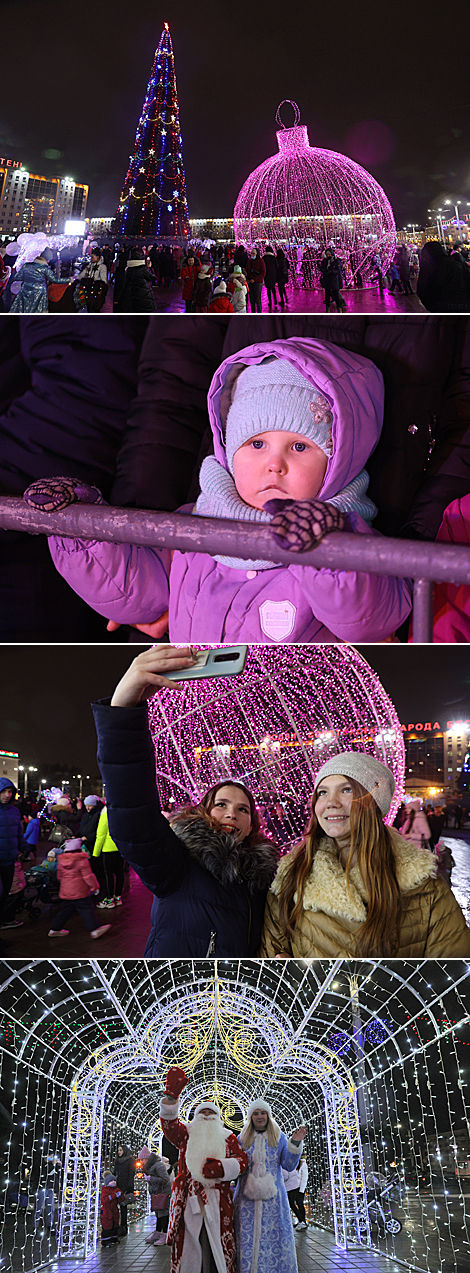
41, 886
379, 1191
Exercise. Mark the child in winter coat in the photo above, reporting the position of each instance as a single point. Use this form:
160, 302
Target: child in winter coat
219, 302
294, 422
237, 288
76, 879
111, 1196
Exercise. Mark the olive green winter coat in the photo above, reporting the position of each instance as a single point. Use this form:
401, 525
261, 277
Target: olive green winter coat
432, 922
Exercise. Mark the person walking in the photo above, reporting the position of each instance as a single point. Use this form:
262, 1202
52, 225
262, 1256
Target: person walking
403, 262
255, 274
12, 841
113, 866
355, 887
76, 881
332, 280
282, 276
270, 276
415, 826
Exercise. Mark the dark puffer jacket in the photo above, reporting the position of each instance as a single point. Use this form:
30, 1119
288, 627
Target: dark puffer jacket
136, 296
89, 824
209, 891
12, 840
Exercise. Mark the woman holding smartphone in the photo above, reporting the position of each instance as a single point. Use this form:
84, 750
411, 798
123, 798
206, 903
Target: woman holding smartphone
211, 869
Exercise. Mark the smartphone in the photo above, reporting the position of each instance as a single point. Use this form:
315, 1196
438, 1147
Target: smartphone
228, 660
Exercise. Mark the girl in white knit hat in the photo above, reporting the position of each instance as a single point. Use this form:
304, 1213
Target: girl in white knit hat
354, 886
263, 1225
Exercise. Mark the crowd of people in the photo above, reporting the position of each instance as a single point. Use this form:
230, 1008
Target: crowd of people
225, 278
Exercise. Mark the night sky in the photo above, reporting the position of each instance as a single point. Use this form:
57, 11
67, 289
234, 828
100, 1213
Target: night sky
46, 693
74, 80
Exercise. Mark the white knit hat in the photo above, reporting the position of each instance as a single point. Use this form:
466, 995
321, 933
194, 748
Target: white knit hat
370, 772
275, 396
71, 846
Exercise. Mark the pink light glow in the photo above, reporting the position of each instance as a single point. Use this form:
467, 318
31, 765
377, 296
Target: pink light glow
316, 198
273, 726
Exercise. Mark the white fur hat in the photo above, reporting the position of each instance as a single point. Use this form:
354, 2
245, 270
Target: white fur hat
206, 1105
263, 1105
371, 773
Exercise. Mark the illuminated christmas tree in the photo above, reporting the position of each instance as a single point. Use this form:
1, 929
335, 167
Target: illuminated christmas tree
153, 199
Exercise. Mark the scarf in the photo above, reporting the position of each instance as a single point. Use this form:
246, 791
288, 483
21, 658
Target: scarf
219, 498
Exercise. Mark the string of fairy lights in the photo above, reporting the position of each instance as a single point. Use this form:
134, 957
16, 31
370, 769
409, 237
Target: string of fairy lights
153, 199
394, 1101
274, 726
316, 198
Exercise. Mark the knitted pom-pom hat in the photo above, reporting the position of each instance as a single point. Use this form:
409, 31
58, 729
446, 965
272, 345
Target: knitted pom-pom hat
371, 773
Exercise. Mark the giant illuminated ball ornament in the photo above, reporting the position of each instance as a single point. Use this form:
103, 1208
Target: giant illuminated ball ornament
316, 198
273, 726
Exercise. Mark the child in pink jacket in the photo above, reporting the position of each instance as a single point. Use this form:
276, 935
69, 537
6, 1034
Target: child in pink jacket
76, 881
294, 422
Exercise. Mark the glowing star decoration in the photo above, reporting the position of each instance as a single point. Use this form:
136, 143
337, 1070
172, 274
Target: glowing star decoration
273, 726
156, 172
314, 198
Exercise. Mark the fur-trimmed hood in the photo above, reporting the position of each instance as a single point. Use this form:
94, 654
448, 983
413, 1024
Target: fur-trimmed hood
326, 889
228, 862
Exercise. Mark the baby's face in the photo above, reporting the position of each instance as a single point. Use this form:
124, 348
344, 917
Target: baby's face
276, 465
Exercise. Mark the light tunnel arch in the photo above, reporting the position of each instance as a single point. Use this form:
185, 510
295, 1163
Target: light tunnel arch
168, 1038
424, 1007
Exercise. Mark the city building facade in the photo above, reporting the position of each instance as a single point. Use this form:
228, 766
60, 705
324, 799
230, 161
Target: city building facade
30, 202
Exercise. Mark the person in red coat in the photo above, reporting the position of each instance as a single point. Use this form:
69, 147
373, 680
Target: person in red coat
111, 1197
201, 1207
189, 274
219, 302
76, 881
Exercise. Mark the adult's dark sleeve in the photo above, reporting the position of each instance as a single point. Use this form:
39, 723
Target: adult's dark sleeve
167, 433
127, 764
447, 476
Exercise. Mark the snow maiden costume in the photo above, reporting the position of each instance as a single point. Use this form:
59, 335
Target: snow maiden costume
263, 1223
226, 599
201, 1207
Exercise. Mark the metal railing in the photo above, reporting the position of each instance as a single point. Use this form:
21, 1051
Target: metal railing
419, 560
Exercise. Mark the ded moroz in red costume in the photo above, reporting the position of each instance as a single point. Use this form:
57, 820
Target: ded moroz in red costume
201, 1206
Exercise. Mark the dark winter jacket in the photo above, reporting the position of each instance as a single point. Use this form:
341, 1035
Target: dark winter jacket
444, 281
331, 272
124, 1171
282, 267
209, 891
89, 824
12, 840
270, 267
255, 270
31, 834
136, 296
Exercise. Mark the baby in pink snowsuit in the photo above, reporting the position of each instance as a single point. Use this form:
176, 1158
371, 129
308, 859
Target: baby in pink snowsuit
294, 422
